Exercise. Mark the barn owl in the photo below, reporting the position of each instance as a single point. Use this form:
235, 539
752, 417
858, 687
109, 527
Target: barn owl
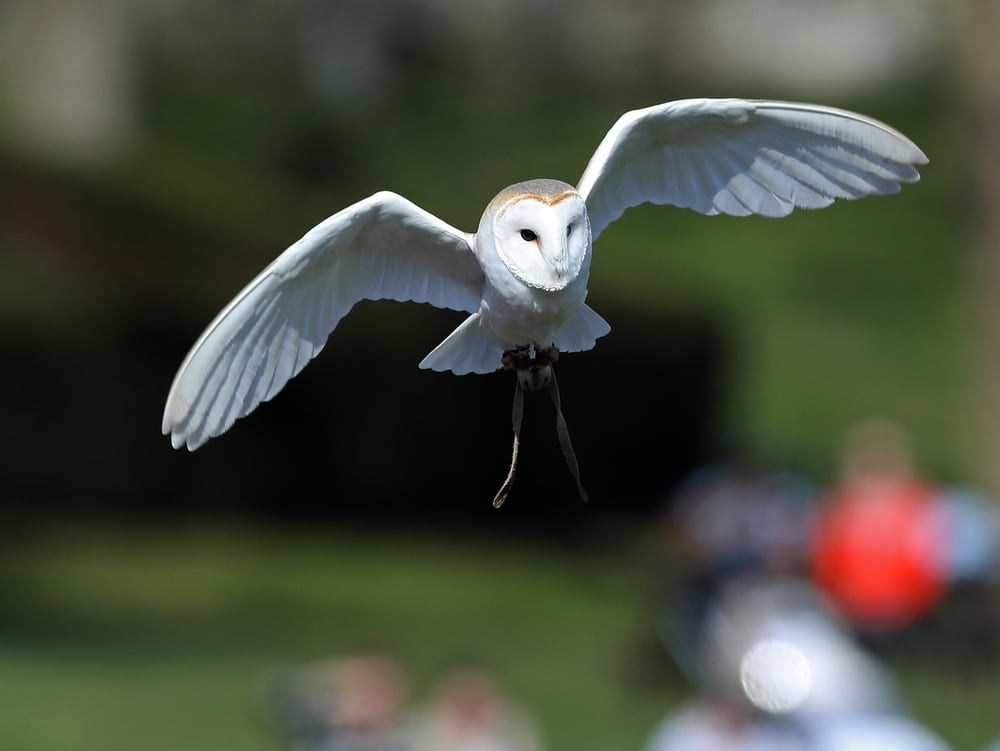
522, 275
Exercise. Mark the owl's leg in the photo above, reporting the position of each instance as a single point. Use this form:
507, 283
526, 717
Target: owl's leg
535, 372
533, 366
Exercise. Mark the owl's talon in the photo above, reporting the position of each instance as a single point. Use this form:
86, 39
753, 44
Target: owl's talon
534, 371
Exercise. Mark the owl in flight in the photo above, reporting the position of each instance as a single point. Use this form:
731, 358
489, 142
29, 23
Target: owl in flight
522, 275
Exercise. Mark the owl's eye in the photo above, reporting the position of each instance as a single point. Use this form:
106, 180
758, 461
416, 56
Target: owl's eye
528, 236
569, 229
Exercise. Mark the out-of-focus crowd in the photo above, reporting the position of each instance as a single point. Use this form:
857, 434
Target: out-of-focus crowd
779, 602
359, 703
782, 602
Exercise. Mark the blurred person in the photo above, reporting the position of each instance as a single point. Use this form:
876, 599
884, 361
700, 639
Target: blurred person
726, 522
809, 662
880, 540
875, 732
742, 515
965, 628
973, 521
345, 704
704, 725
470, 713
778, 670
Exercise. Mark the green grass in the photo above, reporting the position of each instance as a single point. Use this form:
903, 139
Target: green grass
160, 641
121, 639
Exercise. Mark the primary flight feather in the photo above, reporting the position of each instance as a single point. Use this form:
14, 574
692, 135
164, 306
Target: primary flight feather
523, 274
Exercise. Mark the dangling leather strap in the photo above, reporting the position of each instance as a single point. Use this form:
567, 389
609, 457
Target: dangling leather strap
516, 415
564, 442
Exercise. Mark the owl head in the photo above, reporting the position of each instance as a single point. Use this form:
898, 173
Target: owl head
540, 232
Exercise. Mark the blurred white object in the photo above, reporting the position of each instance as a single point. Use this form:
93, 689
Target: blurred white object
705, 726
775, 675
794, 646
875, 732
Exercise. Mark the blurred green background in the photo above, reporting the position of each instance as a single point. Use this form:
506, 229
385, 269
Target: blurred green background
156, 155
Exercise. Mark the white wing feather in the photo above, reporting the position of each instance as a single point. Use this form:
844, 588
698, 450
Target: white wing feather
738, 156
383, 247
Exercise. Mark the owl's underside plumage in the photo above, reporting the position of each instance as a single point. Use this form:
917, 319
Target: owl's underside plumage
523, 275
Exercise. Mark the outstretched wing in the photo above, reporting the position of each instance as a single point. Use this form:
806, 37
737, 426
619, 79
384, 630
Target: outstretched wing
738, 156
383, 247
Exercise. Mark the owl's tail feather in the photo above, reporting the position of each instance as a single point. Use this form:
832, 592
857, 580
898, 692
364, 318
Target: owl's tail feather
471, 348
582, 331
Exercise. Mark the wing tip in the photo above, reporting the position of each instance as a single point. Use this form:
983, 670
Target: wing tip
914, 156
180, 439
177, 427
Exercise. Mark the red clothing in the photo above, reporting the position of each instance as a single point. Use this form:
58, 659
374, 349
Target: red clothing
878, 552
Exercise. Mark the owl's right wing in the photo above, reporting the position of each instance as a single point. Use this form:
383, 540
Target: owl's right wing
743, 156
383, 247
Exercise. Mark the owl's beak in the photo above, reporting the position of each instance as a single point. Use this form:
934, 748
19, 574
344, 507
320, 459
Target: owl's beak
559, 260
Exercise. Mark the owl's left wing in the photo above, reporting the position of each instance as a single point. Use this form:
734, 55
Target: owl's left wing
739, 157
383, 247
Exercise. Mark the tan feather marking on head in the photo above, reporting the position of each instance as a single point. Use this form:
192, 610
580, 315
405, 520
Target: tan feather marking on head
544, 190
